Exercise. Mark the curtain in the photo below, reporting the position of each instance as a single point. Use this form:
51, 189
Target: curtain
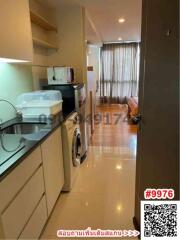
119, 72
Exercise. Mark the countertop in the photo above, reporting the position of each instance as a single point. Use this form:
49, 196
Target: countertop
16, 147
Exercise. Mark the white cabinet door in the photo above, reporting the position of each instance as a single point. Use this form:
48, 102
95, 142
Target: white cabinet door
53, 167
15, 28
36, 222
18, 213
14, 182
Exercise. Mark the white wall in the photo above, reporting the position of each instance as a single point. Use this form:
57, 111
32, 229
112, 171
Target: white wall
14, 80
93, 56
93, 59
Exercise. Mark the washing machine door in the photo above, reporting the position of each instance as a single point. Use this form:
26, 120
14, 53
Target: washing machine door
76, 148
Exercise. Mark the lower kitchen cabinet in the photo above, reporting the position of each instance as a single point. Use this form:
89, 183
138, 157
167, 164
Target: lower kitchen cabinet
29, 193
53, 168
36, 223
14, 182
21, 192
16, 216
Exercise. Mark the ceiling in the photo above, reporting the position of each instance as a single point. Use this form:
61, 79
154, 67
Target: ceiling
102, 19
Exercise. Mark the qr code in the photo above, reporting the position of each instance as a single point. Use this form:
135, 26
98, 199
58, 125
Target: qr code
160, 220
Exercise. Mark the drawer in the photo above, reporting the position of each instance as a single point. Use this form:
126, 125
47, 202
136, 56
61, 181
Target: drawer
18, 213
11, 184
36, 223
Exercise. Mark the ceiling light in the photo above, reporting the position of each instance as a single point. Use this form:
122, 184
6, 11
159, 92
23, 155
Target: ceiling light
10, 60
121, 20
120, 39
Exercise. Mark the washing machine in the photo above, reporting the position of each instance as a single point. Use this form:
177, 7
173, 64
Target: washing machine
72, 150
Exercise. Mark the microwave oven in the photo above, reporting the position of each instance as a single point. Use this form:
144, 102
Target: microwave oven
60, 75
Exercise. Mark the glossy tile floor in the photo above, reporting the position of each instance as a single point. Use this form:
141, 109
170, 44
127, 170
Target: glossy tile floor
103, 194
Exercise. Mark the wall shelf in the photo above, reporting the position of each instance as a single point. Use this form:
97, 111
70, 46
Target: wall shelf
44, 44
42, 22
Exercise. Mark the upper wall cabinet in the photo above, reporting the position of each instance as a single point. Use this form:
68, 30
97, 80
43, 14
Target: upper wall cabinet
15, 28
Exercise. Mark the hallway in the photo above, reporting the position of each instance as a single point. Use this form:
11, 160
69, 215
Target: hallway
103, 195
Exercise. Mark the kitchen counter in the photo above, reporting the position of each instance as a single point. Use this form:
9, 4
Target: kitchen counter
15, 147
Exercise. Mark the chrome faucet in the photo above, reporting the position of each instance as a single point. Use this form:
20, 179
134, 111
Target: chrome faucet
18, 113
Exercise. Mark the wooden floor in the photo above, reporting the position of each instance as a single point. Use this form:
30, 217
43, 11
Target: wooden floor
112, 127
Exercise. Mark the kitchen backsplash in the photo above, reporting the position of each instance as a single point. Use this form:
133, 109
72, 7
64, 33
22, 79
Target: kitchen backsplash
14, 80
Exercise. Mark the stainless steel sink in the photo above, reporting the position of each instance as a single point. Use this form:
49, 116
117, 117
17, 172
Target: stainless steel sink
24, 128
